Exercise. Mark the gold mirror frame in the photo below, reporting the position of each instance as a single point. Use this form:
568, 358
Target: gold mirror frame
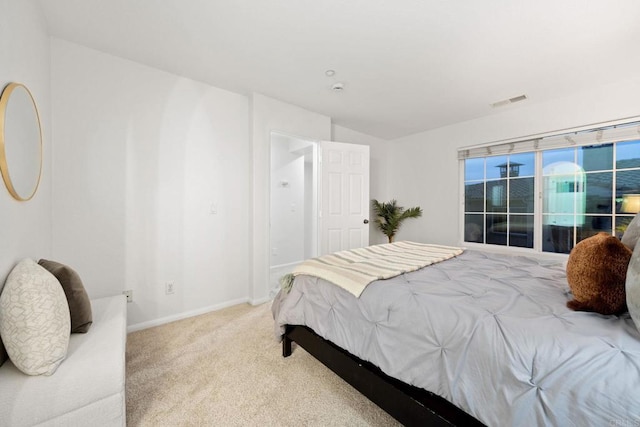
4, 164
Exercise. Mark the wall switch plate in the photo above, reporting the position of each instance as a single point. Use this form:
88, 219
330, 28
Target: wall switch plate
170, 288
129, 295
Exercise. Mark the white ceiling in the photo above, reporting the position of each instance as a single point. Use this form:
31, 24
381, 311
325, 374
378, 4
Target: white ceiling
407, 65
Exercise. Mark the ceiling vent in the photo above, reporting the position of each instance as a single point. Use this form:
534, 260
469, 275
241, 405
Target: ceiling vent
509, 101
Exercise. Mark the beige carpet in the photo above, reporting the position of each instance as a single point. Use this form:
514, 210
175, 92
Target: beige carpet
226, 369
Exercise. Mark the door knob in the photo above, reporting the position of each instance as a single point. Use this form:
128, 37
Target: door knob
366, 221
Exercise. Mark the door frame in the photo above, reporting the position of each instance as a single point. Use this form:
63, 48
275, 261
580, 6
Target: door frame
315, 225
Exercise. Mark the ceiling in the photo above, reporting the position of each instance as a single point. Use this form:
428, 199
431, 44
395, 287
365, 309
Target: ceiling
407, 65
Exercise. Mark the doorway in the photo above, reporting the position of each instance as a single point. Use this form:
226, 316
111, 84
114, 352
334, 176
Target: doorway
293, 231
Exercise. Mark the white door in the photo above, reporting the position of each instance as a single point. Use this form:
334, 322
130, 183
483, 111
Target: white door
344, 196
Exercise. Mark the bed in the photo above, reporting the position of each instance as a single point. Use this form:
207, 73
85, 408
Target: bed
481, 338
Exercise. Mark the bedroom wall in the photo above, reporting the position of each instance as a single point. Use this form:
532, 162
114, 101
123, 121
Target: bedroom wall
141, 157
424, 167
25, 58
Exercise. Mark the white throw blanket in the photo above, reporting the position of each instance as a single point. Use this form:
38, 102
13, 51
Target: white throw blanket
354, 269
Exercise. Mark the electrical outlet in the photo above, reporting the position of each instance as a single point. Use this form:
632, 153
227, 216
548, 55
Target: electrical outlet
169, 288
129, 295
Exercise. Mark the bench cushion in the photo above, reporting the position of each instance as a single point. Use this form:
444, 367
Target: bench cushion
89, 385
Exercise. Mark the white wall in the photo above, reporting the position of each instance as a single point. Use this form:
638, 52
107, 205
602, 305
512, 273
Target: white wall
270, 115
25, 58
378, 171
424, 167
140, 158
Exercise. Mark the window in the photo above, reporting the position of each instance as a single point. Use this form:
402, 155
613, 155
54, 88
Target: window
499, 200
582, 190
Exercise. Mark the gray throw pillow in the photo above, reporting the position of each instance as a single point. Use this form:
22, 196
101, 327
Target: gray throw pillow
633, 286
632, 233
77, 298
3, 353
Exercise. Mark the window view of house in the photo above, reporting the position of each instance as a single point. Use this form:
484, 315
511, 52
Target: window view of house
583, 191
499, 200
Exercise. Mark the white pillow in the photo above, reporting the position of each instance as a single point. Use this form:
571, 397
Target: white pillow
34, 319
633, 286
632, 233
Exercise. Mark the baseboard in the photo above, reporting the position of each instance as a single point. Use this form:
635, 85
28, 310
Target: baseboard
287, 265
259, 300
180, 316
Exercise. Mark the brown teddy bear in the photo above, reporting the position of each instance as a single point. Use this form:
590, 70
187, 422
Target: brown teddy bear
596, 272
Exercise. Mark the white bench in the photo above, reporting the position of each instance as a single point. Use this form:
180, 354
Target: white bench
88, 387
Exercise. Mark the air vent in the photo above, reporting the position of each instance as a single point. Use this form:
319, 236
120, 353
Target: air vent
509, 101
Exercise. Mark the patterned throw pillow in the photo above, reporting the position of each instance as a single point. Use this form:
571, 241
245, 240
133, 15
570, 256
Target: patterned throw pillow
34, 319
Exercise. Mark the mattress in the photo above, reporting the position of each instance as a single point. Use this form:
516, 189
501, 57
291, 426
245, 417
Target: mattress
491, 333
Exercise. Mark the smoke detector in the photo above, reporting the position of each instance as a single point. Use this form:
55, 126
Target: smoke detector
337, 87
509, 101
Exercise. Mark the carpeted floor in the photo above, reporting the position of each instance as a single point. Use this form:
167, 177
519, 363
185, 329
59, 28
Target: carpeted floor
225, 368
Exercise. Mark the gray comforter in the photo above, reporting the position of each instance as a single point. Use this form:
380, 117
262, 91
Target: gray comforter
490, 333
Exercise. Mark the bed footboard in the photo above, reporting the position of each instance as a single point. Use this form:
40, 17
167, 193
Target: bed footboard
409, 405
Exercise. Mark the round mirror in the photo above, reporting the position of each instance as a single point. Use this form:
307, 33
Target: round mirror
20, 142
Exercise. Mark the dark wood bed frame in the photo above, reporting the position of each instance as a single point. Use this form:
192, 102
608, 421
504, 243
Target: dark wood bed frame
411, 406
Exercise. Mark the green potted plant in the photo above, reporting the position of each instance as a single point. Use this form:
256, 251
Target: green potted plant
390, 216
